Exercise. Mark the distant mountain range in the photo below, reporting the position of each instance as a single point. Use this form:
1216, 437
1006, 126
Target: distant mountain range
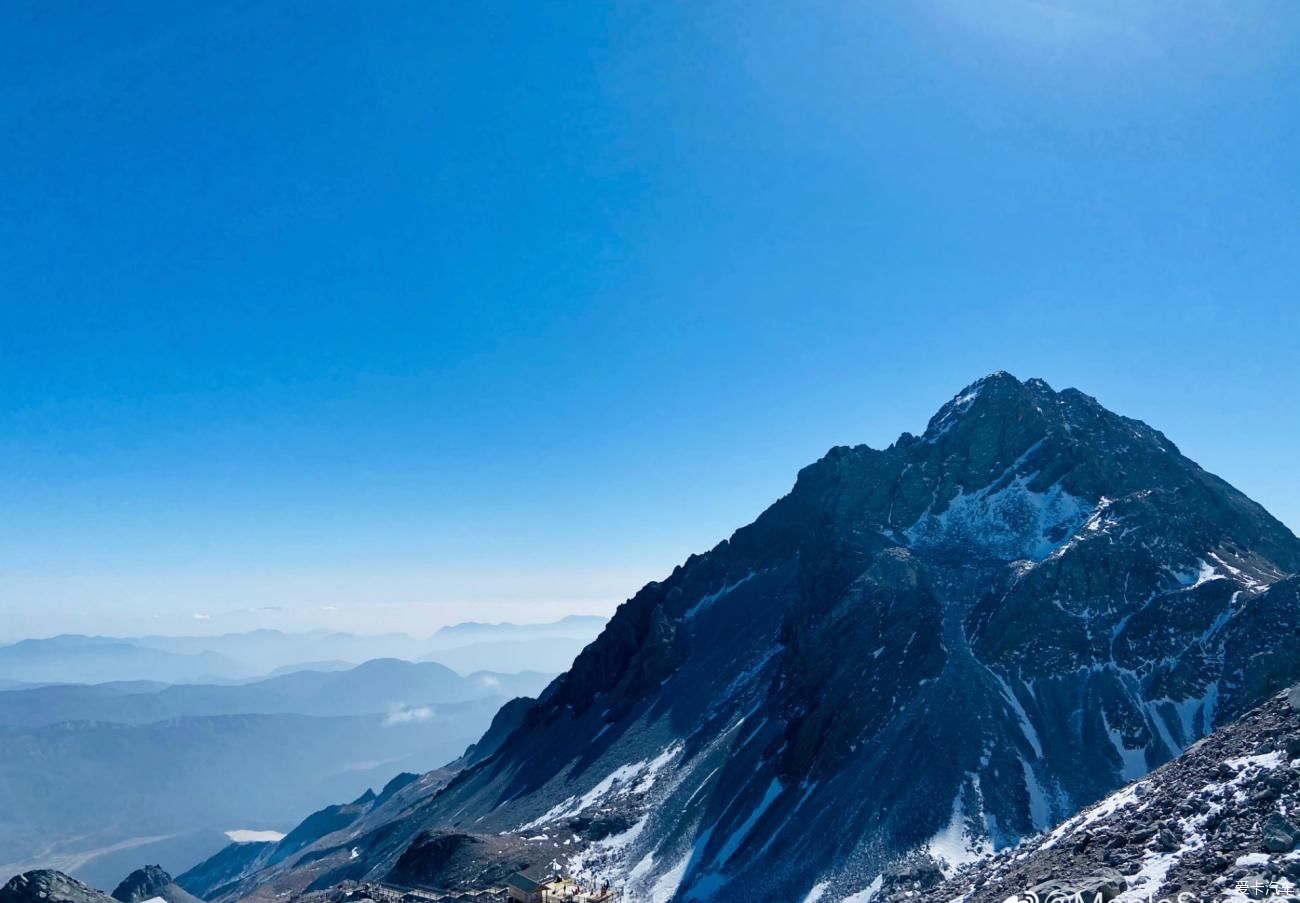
375, 687
574, 627
95, 776
922, 653
86, 659
244, 656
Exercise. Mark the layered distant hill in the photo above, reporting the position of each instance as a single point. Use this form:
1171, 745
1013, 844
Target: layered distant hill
85, 659
380, 686
245, 656
550, 647
936, 649
574, 627
96, 778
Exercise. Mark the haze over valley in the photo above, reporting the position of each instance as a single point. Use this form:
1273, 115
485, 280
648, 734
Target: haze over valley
181, 745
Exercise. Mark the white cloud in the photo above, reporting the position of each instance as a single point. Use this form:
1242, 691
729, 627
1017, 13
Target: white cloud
244, 835
408, 715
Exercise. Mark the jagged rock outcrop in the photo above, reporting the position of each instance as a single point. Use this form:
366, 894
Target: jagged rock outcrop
49, 886
1216, 823
920, 654
149, 883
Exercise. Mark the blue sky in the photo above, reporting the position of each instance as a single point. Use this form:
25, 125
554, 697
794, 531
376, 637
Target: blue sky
389, 315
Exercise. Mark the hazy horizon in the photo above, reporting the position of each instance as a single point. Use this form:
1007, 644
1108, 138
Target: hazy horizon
207, 628
201, 629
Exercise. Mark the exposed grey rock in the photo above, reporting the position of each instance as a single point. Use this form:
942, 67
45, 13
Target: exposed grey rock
49, 886
1279, 835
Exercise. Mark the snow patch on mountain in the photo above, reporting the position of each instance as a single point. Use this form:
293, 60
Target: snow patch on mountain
706, 601
955, 845
633, 777
1026, 726
868, 893
1008, 522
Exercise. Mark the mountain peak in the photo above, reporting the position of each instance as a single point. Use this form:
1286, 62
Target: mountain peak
143, 884
151, 883
997, 376
998, 392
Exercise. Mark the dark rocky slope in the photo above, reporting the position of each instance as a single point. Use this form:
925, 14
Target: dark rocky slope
221, 871
314, 845
1220, 822
945, 646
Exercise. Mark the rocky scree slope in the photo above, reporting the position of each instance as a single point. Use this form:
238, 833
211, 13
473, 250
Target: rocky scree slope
945, 646
221, 874
1220, 822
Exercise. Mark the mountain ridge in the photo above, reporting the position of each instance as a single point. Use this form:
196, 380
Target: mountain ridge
256, 654
943, 646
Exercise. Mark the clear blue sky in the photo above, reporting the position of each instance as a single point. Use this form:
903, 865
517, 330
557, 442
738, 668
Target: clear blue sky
389, 315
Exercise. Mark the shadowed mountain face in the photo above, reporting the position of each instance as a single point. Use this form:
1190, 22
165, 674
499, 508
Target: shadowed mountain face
946, 646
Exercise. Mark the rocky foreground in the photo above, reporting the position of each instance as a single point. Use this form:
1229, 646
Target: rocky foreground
1221, 822
49, 886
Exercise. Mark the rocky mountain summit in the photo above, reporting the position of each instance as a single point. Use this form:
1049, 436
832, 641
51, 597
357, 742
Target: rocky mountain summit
152, 883
920, 654
1220, 822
